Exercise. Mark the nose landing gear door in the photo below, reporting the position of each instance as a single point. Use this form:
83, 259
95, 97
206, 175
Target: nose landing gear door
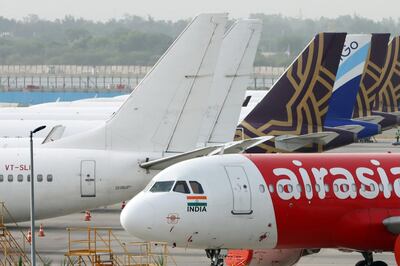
240, 189
88, 178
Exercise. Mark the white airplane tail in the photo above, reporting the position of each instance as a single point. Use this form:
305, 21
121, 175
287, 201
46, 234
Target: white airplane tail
233, 71
157, 113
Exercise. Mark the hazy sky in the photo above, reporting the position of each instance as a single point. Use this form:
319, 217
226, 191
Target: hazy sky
176, 9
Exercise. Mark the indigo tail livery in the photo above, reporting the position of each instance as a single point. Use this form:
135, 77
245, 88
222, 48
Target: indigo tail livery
388, 95
371, 84
296, 106
347, 84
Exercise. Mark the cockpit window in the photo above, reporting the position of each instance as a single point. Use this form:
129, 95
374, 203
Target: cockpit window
196, 187
181, 187
162, 186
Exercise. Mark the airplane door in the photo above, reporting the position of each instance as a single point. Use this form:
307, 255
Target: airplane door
241, 190
88, 178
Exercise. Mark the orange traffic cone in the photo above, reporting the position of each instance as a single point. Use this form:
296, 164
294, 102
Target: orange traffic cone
123, 205
41, 231
88, 217
29, 237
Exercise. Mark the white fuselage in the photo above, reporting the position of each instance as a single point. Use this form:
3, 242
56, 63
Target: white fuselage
77, 117
246, 219
72, 180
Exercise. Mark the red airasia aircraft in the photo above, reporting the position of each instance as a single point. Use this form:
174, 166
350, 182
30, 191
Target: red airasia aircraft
274, 201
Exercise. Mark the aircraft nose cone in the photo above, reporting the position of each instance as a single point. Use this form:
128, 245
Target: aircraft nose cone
137, 218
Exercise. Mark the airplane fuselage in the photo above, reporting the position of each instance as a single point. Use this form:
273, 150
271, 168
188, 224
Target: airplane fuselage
274, 201
68, 180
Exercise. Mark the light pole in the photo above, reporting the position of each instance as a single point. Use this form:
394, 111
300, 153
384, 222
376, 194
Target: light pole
33, 255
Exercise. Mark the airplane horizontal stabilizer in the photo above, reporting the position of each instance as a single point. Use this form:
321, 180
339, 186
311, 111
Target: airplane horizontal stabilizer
55, 133
393, 224
352, 128
375, 119
241, 145
397, 113
291, 142
160, 164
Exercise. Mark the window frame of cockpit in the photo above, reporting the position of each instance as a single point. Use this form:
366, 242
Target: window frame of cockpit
188, 185
169, 190
185, 187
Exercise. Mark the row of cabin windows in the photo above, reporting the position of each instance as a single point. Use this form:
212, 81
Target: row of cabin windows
20, 178
180, 187
344, 187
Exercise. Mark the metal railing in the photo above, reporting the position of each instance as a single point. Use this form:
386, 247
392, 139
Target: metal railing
10, 248
99, 246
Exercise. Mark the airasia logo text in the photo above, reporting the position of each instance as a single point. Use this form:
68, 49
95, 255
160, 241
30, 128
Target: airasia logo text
368, 182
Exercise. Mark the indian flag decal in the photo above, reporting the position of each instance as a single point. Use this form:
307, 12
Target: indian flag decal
196, 201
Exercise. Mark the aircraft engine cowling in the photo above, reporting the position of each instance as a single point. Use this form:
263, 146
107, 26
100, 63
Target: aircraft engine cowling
263, 257
397, 250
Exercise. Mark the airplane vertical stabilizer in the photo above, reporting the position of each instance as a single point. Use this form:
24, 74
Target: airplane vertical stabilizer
157, 109
233, 71
369, 86
297, 103
386, 100
348, 78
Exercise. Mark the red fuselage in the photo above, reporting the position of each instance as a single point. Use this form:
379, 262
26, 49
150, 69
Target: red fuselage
333, 200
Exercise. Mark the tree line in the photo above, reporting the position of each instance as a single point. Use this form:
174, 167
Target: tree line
134, 40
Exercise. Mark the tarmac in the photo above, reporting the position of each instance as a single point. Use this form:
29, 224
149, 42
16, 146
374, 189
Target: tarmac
54, 245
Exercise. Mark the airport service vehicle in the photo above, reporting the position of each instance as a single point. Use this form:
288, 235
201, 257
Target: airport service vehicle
273, 201
115, 160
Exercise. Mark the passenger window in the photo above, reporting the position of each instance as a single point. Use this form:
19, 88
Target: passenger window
28, 178
271, 188
181, 187
372, 187
1, 178
40, 178
280, 188
289, 188
317, 188
326, 187
10, 178
344, 187
354, 187
162, 186
381, 187
335, 188
49, 178
262, 188
299, 189
308, 188
20, 178
196, 187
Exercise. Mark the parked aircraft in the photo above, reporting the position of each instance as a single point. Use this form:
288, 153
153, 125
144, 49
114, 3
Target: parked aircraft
295, 107
372, 83
387, 99
228, 87
347, 84
273, 201
103, 165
